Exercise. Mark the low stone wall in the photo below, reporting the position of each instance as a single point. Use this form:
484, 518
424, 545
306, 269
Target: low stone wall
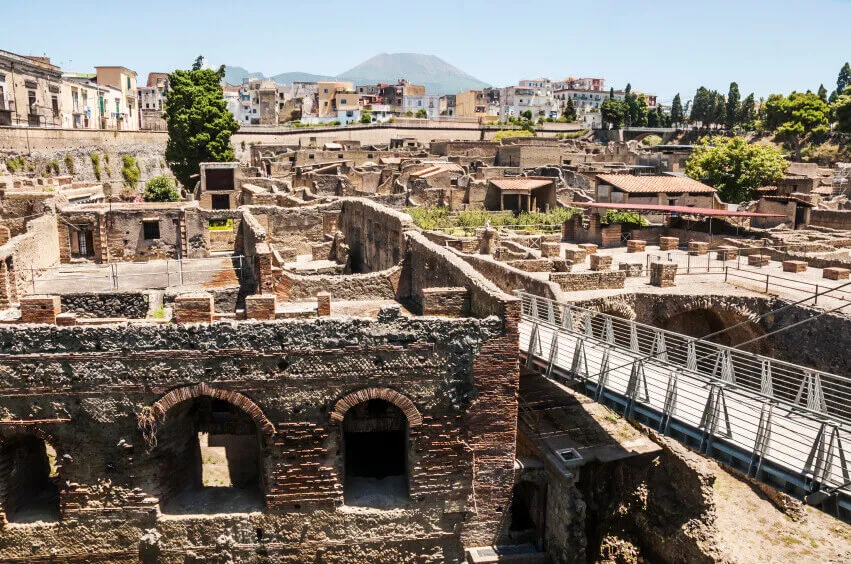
578, 281
509, 278
835, 219
132, 305
373, 286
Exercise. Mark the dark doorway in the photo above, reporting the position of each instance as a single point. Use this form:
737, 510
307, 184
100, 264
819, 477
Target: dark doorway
375, 445
28, 467
220, 201
210, 456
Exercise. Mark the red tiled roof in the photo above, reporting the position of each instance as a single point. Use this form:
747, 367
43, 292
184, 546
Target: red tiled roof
655, 184
524, 184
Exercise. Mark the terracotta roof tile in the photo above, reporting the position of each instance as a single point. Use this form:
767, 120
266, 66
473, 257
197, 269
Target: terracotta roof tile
655, 184
519, 183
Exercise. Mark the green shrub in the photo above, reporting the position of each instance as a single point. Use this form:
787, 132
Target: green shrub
53, 167
242, 145
366, 117
158, 313
96, 165
161, 189
467, 221
613, 216
130, 171
16, 164
69, 164
429, 218
106, 158
651, 141
508, 133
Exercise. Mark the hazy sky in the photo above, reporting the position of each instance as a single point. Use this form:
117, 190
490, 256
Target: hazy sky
659, 46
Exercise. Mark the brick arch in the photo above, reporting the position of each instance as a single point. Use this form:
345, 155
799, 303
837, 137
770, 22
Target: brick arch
618, 307
670, 309
9, 431
406, 405
186, 393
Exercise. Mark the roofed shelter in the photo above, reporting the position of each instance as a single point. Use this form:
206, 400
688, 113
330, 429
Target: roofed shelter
521, 194
659, 190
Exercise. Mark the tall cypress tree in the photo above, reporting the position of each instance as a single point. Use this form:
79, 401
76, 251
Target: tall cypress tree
733, 106
677, 114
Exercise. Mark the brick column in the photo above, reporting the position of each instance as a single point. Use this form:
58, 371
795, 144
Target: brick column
323, 304
40, 309
493, 432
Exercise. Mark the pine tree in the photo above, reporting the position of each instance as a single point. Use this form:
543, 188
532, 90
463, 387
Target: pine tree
702, 107
569, 112
747, 115
844, 79
199, 123
822, 92
733, 106
677, 115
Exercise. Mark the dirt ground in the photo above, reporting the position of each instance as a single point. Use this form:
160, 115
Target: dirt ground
752, 529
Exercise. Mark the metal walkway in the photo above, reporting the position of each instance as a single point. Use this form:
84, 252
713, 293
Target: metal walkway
780, 423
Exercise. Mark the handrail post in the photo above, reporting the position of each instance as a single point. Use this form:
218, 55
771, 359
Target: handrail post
766, 283
815, 301
726, 272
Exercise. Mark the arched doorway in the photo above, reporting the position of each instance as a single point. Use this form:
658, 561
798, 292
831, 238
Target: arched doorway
28, 475
210, 458
375, 455
701, 322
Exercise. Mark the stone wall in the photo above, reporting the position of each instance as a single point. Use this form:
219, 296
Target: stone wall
374, 234
835, 219
372, 286
456, 378
132, 305
579, 281
33, 251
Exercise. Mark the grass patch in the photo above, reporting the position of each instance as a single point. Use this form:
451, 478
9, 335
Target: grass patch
158, 313
467, 221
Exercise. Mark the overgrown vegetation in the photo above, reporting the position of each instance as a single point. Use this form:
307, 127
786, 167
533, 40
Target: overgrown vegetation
69, 164
161, 189
509, 133
52, 167
130, 171
466, 221
16, 164
614, 216
95, 158
651, 140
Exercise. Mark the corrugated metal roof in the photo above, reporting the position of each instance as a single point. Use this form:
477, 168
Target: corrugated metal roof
519, 183
655, 184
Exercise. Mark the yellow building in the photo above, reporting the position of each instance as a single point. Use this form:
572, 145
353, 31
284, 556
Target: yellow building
327, 96
122, 108
470, 104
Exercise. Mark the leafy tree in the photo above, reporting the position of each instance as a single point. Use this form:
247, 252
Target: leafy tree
614, 112
843, 81
677, 115
569, 112
422, 114
638, 110
653, 119
822, 93
747, 113
733, 107
842, 111
199, 123
161, 189
735, 167
366, 117
719, 109
527, 115
702, 109
797, 117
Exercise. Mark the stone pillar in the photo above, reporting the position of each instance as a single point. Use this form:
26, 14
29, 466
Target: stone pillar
836, 273
636, 246
575, 256
696, 248
601, 262
727, 252
5, 235
632, 269
193, 308
589, 248
40, 309
66, 319
663, 274
758, 260
794, 266
669, 243
260, 306
550, 250
323, 304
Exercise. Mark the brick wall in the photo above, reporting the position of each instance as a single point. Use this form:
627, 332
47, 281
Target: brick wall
578, 281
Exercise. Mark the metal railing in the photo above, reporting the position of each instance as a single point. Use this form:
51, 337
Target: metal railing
134, 275
766, 282
766, 416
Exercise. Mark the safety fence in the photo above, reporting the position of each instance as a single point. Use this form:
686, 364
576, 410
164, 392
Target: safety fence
776, 421
212, 271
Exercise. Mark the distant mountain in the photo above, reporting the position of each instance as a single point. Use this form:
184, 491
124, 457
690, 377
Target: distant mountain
438, 76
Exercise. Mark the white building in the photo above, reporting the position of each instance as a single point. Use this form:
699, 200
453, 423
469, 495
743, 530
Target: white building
516, 100
428, 102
